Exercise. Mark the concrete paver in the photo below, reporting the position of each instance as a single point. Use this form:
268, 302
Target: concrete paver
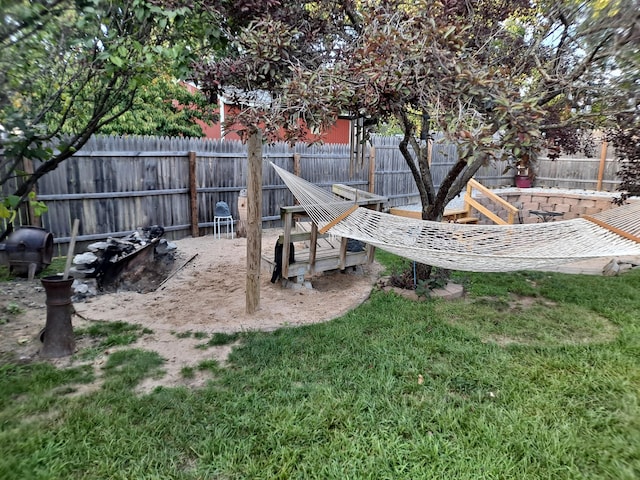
593, 266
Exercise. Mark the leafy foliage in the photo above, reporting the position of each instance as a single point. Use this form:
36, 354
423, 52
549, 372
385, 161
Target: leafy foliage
491, 75
68, 68
164, 107
9, 207
626, 141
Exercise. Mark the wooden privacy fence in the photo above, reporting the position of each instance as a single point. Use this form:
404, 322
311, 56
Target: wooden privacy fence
393, 178
115, 185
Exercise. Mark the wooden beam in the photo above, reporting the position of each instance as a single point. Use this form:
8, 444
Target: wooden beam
406, 213
342, 262
338, 219
297, 168
288, 225
356, 195
372, 169
313, 248
300, 237
488, 213
611, 228
495, 198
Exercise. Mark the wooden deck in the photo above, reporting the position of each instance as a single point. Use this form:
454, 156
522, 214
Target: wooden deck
315, 252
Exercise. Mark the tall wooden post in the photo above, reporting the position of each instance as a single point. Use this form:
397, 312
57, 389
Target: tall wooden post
603, 161
193, 195
254, 221
297, 168
372, 169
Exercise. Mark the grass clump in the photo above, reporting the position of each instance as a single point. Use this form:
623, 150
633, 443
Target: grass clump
126, 368
112, 334
209, 365
218, 339
189, 334
108, 335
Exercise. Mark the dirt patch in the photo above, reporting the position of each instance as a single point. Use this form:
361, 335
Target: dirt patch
204, 297
522, 320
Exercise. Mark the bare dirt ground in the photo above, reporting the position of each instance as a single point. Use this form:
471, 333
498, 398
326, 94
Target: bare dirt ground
204, 297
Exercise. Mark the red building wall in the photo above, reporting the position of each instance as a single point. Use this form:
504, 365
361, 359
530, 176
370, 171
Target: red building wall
340, 132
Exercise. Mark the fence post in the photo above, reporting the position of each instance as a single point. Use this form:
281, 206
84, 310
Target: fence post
297, 168
603, 159
372, 169
193, 194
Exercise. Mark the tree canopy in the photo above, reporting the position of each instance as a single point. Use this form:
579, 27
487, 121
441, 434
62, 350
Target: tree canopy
68, 68
501, 79
164, 107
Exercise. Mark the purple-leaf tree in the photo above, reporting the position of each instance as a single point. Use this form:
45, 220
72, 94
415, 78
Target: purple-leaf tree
502, 80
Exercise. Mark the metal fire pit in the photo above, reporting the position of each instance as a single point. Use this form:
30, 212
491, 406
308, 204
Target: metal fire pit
27, 246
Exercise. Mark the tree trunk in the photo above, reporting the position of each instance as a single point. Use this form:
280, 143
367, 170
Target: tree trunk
254, 221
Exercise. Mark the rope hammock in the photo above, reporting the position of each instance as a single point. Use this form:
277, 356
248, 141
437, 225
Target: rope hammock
476, 248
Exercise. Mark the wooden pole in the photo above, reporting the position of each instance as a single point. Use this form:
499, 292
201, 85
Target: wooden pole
71, 248
372, 169
337, 220
286, 251
254, 220
193, 195
603, 160
297, 168
611, 228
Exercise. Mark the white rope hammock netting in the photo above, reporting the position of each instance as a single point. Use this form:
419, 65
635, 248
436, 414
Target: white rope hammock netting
476, 248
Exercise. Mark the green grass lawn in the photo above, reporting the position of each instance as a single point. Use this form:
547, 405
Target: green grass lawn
532, 375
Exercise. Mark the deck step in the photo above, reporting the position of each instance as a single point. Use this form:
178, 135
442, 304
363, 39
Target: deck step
456, 212
467, 220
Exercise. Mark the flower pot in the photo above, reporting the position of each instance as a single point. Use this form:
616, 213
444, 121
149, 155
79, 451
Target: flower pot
523, 181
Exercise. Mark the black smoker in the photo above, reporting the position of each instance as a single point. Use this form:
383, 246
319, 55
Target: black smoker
27, 246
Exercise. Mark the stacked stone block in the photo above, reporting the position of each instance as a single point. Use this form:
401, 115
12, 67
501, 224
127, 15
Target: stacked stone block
570, 205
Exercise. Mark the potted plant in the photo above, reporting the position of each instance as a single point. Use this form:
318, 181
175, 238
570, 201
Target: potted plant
523, 178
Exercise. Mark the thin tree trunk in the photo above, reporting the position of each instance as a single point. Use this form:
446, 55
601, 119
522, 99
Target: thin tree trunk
254, 221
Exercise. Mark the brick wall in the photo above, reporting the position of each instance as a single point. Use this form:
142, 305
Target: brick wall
569, 204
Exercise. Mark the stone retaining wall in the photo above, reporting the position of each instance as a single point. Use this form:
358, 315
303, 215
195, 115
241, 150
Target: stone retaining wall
571, 205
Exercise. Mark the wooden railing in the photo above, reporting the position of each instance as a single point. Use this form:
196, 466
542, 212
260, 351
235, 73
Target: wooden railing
469, 201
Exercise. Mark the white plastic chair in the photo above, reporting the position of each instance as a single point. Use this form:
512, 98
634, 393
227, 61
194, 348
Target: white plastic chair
222, 217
